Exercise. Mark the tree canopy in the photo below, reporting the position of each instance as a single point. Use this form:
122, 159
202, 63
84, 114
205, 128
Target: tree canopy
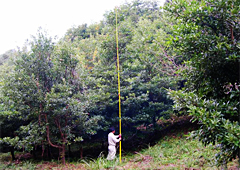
207, 35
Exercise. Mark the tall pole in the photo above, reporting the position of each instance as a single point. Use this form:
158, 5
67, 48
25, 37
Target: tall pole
119, 94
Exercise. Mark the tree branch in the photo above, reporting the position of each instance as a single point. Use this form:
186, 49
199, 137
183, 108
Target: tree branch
48, 136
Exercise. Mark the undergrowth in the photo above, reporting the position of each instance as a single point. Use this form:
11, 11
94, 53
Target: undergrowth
173, 152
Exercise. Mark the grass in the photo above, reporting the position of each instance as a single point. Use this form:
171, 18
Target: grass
177, 152
173, 152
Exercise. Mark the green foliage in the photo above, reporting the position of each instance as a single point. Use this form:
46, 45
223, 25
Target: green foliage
216, 127
147, 69
7, 58
181, 151
172, 152
83, 32
207, 35
46, 92
58, 93
134, 11
144, 79
100, 163
10, 141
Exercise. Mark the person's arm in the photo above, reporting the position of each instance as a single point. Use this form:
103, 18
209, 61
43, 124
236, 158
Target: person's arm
114, 137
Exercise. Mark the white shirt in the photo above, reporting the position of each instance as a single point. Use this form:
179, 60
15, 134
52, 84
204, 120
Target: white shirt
112, 139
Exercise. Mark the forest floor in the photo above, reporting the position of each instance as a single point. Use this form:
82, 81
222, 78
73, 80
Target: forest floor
173, 152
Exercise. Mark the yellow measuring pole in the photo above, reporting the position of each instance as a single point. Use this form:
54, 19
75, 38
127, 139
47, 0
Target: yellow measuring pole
119, 94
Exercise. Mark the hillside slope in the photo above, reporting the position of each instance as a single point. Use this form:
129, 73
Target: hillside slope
174, 151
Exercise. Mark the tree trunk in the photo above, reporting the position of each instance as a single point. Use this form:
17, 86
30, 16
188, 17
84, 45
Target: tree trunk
69, 151
239, 158
33, 152
63, 154
154, 116
81, 152
61, 148
12, 153
49, 152
102, 147
43, 149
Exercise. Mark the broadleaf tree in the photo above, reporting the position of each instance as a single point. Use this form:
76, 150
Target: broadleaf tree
207, 36
47, 92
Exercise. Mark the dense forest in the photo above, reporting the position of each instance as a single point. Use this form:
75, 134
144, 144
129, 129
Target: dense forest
180, 62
